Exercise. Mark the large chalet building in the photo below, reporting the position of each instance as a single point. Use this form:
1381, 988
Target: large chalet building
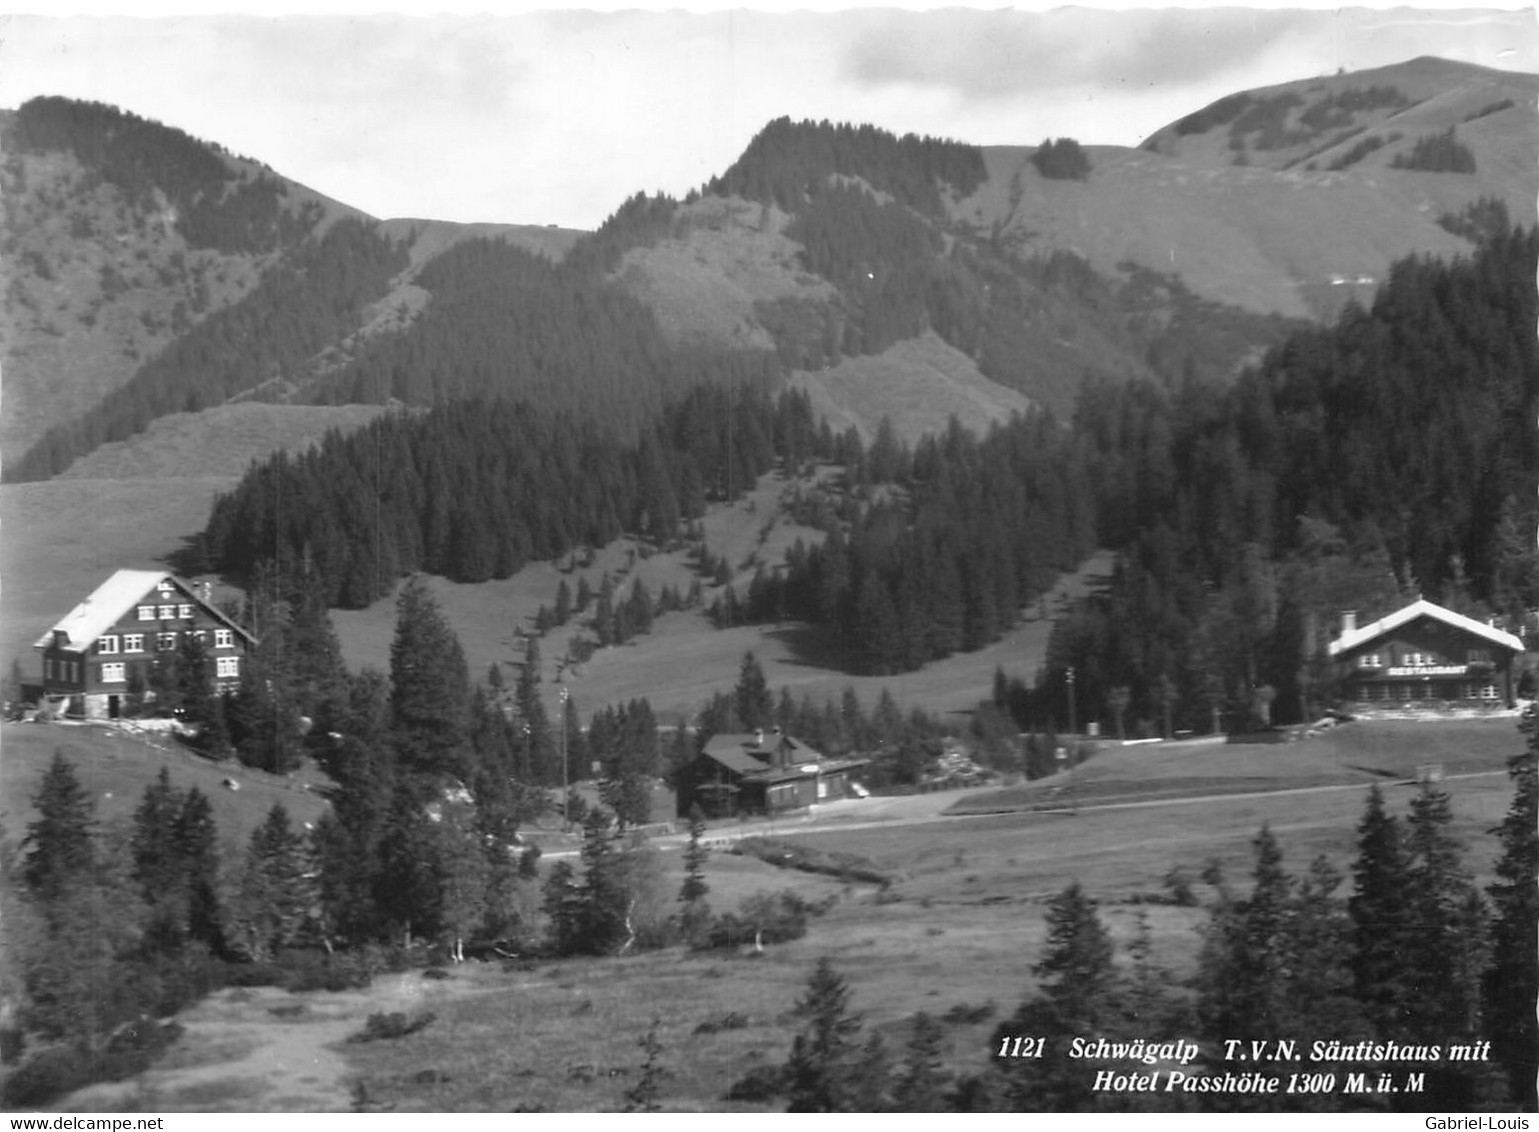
109, 642
763, 773
1424, 656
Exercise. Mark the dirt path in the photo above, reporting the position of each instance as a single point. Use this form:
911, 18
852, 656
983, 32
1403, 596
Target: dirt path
266, 1050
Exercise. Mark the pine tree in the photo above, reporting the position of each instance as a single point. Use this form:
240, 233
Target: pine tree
197, 840
755, 705
922, 1085
819, 1071
58, 850
1445, 952
158, 864
1076, 972
562, 903
1245, 952
429, 684
1512, 979
1076, 979
696, 853
1379, 916
605, 895
274, 899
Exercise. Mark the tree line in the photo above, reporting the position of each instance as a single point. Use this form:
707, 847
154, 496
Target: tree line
473, 490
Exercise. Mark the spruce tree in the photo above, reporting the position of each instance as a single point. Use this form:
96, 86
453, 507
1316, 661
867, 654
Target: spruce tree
561, 901
755, 705
158, 865
922, 1084
1380, 922
1511, 985
58, 850
820, 1070
1076, 979
1445, 949
605, 896
429, 684
197, 840
273, 901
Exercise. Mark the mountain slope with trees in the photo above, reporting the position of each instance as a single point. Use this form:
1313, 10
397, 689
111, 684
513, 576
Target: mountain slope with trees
1388, 456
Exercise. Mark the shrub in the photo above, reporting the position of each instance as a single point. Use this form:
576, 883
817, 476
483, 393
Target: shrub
732, 1020
964, 1015
764, 918
1062, 160
792, 855
395, 1024
758, 1086
62, 1069
1179, 885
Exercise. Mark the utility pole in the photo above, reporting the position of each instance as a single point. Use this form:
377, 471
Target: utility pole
566, 791
1073, 747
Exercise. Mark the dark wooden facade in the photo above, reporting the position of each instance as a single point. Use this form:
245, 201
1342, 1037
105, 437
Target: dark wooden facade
1424, 657
761, 774
108, 643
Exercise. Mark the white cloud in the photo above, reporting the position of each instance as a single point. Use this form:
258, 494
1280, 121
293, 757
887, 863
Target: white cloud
557, 116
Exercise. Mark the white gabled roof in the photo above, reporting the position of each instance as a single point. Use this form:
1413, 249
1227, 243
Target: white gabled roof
1422, 608
111, 601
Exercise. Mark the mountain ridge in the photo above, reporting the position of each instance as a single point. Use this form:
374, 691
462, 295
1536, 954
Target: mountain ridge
850, 241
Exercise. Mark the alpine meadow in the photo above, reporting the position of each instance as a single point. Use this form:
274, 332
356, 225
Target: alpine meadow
907, 626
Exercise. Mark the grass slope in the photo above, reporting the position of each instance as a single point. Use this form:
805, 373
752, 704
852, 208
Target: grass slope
130, 504
956, 934
115, 766
1271, 234
918, 384
727, 254
685, 659
1265, 240
1360, 753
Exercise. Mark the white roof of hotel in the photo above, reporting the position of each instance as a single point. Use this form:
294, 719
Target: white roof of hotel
1423, 608
111, 601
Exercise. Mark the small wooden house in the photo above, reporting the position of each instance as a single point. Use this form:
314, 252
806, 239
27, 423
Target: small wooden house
764, 773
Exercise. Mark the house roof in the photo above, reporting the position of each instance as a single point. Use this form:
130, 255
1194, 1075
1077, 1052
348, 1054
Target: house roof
1422, 608
760, 744
737, 761
111, 601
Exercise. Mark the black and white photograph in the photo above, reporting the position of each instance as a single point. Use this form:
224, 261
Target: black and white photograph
768, 559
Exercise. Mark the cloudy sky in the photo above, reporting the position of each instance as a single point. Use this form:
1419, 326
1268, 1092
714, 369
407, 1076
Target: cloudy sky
556, 116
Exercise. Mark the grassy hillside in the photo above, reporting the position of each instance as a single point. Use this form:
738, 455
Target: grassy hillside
115, 766
1358, 754
685, 659
129, 505
1268, 241
97, 281
726, 256
918, 384
1276, 229
955, 936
